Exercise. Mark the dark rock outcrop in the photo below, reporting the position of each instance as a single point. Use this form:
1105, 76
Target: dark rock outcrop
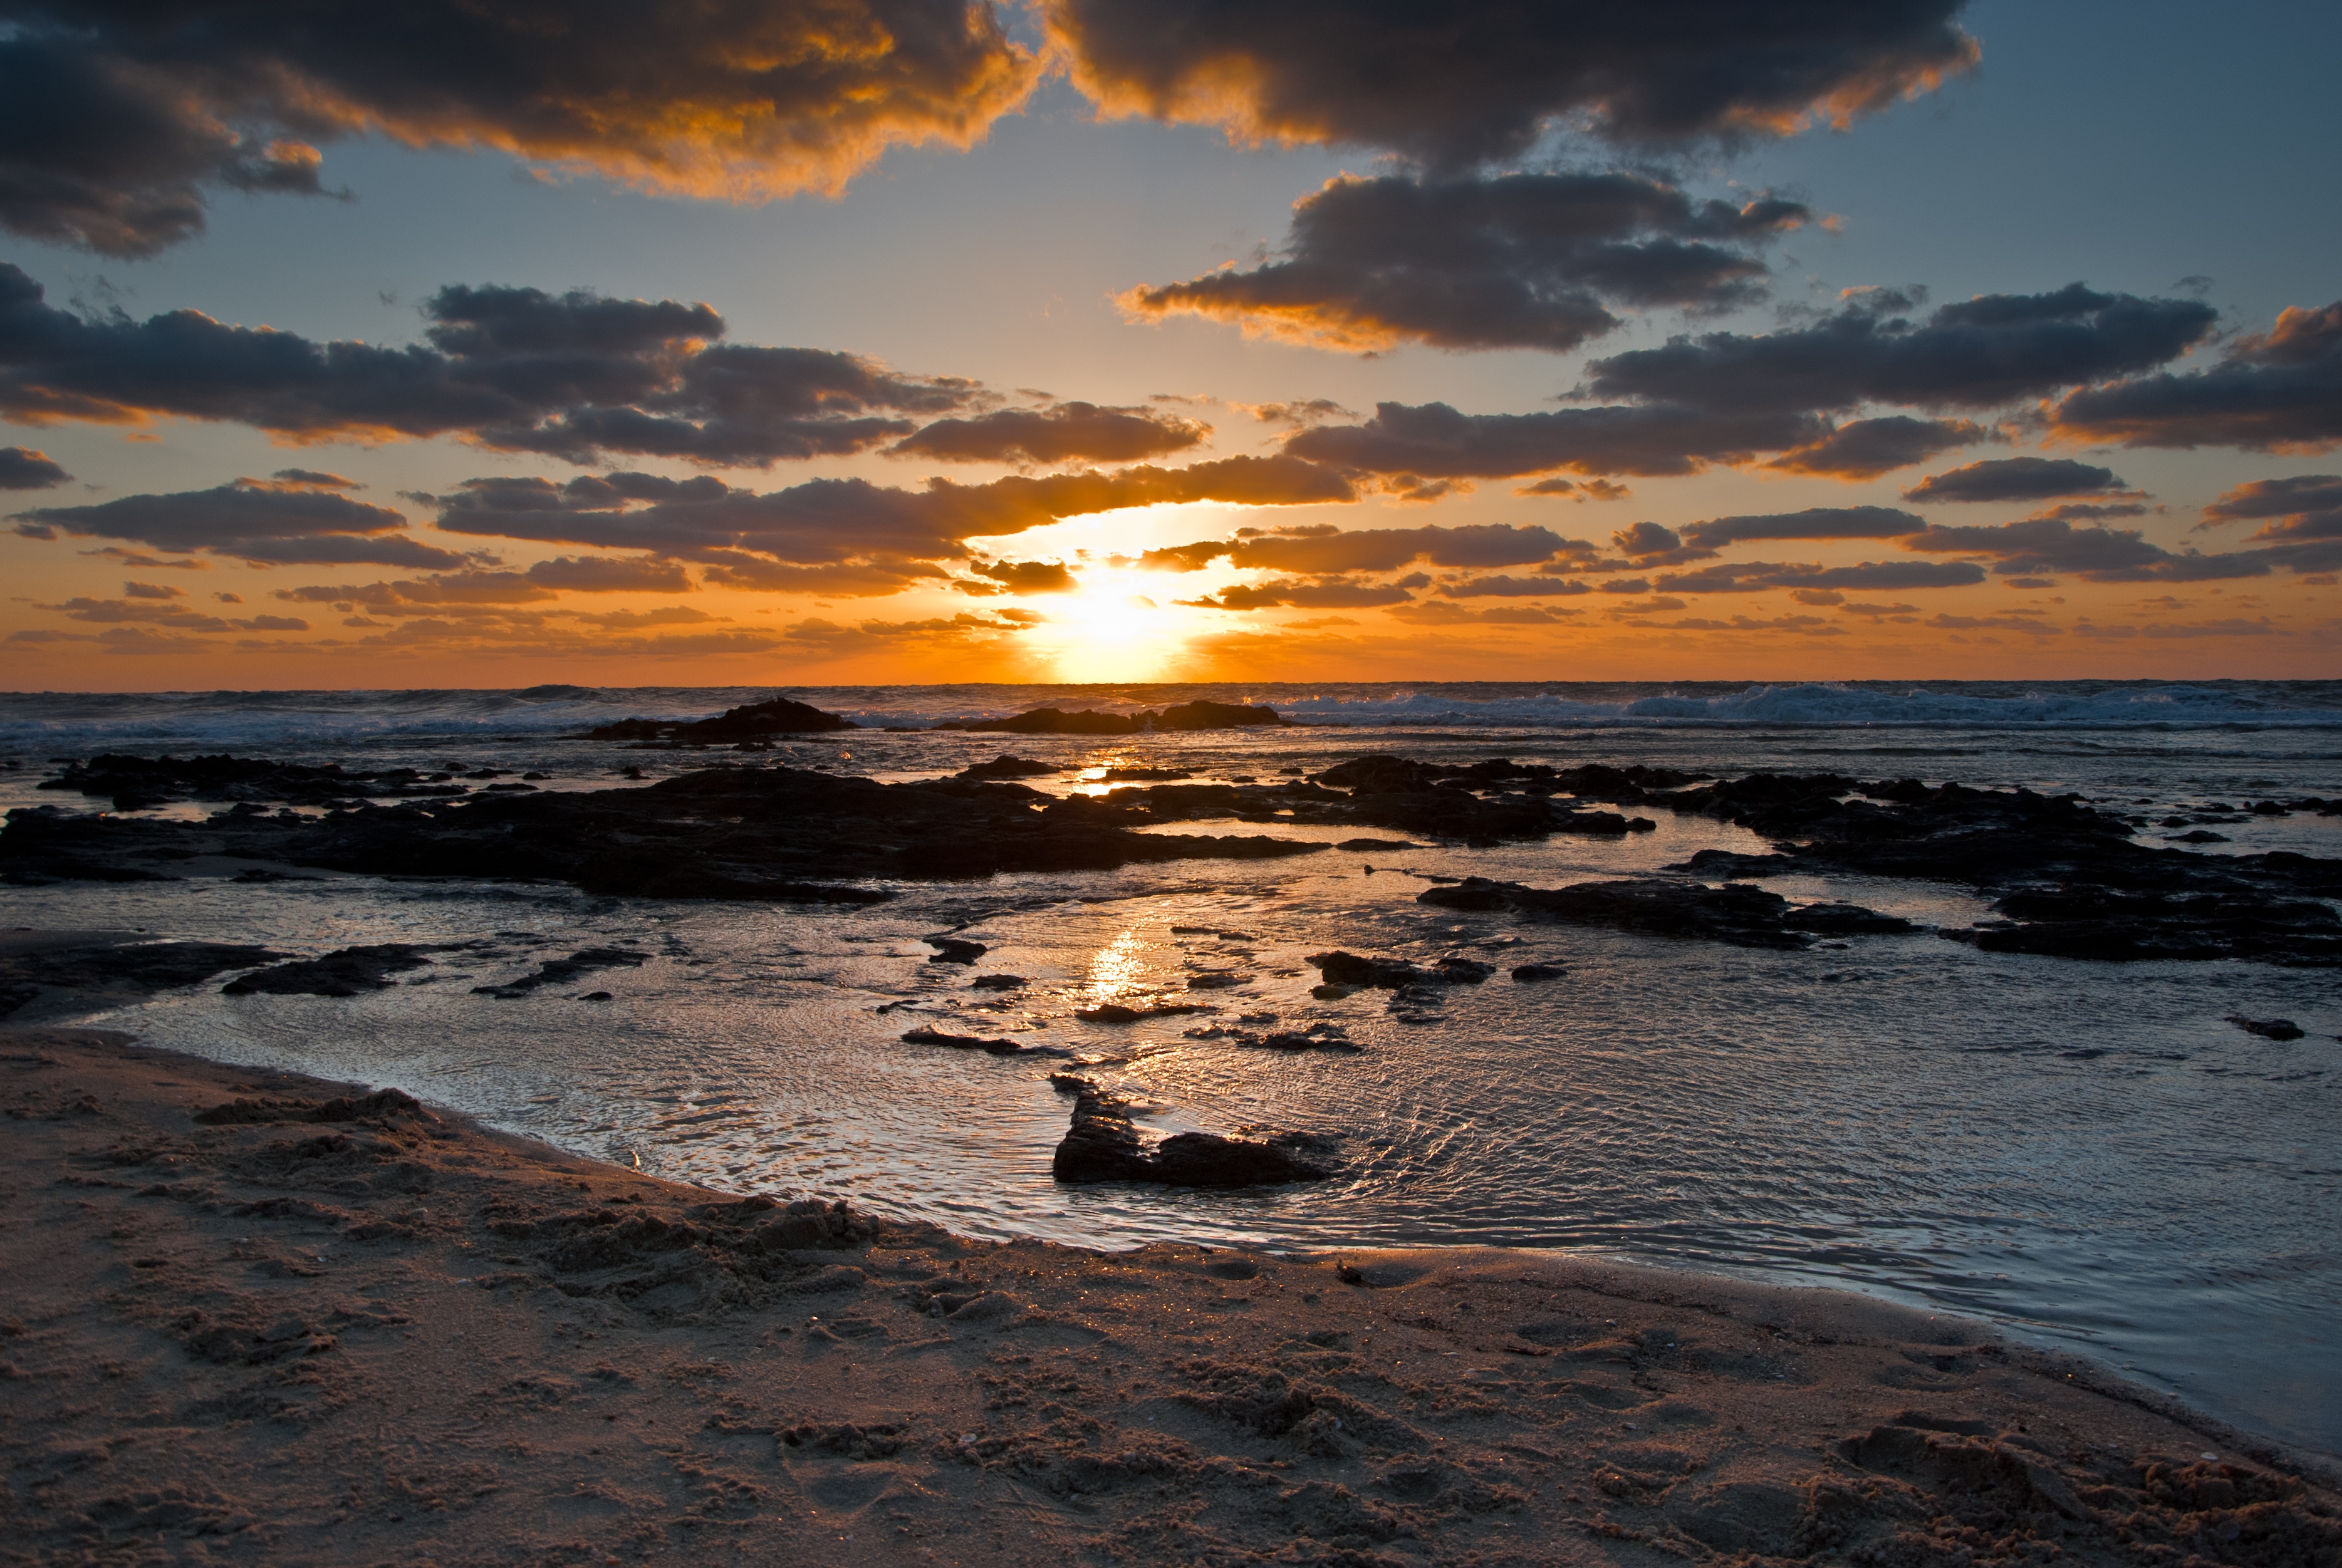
752, 722
105, 970
563, 972
1005, 766
348, 972
1740, 915
1102, 1145
1199, 715
2279, 1029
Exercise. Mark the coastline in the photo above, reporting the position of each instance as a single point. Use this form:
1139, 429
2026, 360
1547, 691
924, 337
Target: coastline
371, 1331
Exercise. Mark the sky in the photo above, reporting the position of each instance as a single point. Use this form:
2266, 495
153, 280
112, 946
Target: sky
855, 341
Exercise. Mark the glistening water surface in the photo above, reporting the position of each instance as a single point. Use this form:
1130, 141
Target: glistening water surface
2088, 1153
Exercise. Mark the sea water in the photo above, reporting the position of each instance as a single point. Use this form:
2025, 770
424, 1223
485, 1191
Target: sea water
2087, 1153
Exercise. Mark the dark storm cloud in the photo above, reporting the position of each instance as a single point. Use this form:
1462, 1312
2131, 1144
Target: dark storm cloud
2307, 506
1972, 354
1455, 85
838, 522
1432, 440
1813, 523
1332, 595
2279, 391
250, 520
1753, 576
1522, 261
571, 375
21, 468
1067, 432
2043, 547
1649, 544
2088, 512
2017, 479
1866, 448
116, 118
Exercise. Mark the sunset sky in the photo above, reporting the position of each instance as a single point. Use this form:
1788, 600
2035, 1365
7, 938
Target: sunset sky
855, 341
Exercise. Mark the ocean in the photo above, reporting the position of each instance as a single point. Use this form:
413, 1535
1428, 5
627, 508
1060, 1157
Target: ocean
2091, 1155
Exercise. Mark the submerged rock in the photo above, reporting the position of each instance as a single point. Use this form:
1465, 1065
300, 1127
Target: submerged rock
1102, 1145
2268, 1028
561, 971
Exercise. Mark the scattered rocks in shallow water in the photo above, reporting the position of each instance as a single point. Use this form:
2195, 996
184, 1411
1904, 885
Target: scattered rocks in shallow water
561, 971
1526, 972
348, 972
1005, 766
1147, 776
2236, 921
1102, 1145
1316, 1037
955, 949
999, 983
1735, 914
2268, 1028
1349, 969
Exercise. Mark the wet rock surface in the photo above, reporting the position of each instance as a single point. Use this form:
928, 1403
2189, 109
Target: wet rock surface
348, 971
1735, 914
1104, 1146
107, 969
751, 721
728, 833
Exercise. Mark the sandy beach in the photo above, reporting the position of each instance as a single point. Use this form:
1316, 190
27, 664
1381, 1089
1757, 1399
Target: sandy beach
258, 1317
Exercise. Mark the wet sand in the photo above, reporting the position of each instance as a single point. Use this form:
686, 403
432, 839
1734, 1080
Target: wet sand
327, 1327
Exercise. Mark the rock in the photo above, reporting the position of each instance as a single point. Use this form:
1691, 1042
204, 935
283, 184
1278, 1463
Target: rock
927, 1034
1005, 766
1361, 845
1529, 972
1198, 715
1102, 1145
1330, 991
346, 972
2268, 1028
998, 982
955, 949
2200, 835
561, 971
1349, 969
780, 717
1117, 1012
1147, 776
127, 970
1742, 916
1462, 971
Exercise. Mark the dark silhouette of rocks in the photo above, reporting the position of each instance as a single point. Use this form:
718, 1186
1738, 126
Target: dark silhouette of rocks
2279, 1029
1089, 721
104, 969
1735, 914
1102, 1145
1005, 766
955, 949
563, 972
348, 971
927, 1034
1534, 972
727, 833
753, 721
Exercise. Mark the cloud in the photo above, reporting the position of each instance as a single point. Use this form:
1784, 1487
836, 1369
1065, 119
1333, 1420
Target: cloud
1754, 577
1866, 448
1974, 354
152, 591
1579, 490
125, 121
1388, 549
1804, 626
2087, 512
251, 520
1025, 577
1519, 261
1452, 85
2279, 391
569, 375
419, 593
1813, 523
1502, 587
1313, 411
751, 539
2234, 627
1325, 595
1433, 440
2043, 547
1065, 432
2017, 479
150, 609
1648, 544
607, 574
2031, 628
1438, 614
21, 468
2306, 506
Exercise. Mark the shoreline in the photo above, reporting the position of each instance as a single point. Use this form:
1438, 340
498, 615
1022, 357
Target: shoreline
340, 1328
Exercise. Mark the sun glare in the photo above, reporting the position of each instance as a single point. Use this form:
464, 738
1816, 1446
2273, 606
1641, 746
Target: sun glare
1111, 630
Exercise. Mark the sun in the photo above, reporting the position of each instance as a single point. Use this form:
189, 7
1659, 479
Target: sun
1109, 630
